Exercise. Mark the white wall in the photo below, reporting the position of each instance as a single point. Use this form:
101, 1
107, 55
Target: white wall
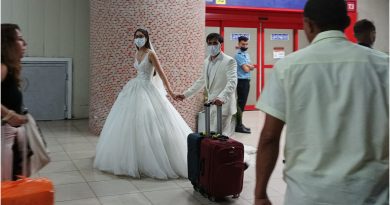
56, 28
378, 12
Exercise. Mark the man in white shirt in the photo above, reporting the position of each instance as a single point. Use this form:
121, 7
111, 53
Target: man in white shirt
220, 79
334, 98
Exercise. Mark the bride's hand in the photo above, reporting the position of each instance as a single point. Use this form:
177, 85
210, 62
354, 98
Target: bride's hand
180, 97
173, 95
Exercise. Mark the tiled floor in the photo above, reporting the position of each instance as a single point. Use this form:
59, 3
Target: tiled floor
77, 183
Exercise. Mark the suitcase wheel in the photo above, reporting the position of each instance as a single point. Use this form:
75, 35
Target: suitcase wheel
204, 194
235, 196
196, 188
211, 198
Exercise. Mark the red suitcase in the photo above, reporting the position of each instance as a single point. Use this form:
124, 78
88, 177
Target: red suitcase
222, 165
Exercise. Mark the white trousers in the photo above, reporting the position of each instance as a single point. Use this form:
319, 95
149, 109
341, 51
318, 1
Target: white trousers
228, 123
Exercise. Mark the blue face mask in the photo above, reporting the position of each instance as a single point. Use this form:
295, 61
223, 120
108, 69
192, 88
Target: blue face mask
214, 50
140, 42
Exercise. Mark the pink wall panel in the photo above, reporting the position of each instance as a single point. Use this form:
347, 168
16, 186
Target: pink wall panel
176, 29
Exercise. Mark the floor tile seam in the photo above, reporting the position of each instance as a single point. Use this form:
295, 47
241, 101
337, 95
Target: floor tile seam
77, 150
80, 199
93, 191
91, 170
149, 200
107, 195
76, 166
70, 183
176, 188
74, 200
75, 142
158, 189
196, 198
53, 172
63, 160
63, 172
85, 178
90, 188
56, 128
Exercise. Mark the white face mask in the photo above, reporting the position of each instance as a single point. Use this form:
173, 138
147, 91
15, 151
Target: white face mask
139, 42
213, 50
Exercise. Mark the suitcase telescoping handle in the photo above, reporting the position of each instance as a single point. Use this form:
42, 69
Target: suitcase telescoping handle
207, 118
207, 106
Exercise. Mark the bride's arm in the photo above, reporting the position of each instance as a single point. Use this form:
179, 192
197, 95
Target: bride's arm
156, 63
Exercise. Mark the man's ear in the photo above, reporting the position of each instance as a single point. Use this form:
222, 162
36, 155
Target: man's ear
310, 25
310, 29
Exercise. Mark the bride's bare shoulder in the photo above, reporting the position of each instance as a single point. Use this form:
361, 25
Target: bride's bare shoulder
150, 51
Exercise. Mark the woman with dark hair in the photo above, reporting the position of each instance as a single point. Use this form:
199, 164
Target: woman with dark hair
13, 47
143, 133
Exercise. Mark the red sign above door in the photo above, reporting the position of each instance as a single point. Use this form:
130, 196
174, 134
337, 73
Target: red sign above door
351, 6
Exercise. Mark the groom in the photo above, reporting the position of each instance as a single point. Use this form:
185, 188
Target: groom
220, 79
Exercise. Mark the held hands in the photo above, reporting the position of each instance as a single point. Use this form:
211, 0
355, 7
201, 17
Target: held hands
172, 95
17, 120
179, 97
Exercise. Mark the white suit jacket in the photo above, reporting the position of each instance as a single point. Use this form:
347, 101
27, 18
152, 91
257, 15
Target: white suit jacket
221, 84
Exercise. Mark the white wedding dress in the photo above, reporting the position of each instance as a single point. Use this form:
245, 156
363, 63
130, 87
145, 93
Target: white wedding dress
144, 135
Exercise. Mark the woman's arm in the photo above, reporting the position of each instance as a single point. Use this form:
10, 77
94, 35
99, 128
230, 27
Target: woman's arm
4, 111
4, 71
11, 117
8, 115
156, 63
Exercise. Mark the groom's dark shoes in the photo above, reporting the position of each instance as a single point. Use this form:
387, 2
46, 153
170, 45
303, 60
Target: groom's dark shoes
242, 129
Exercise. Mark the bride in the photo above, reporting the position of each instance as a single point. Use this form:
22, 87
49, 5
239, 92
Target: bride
143, 133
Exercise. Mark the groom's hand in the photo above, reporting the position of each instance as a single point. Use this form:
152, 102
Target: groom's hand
218, 102
180, 97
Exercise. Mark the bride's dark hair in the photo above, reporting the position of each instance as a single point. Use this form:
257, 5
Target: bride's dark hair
146, 34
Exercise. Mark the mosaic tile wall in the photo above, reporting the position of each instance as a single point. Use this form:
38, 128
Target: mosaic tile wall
176, 29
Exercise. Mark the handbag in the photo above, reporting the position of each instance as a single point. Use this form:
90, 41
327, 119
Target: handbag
40, 156
27, 191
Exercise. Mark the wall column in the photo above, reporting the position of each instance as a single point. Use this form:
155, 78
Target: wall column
176, 29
